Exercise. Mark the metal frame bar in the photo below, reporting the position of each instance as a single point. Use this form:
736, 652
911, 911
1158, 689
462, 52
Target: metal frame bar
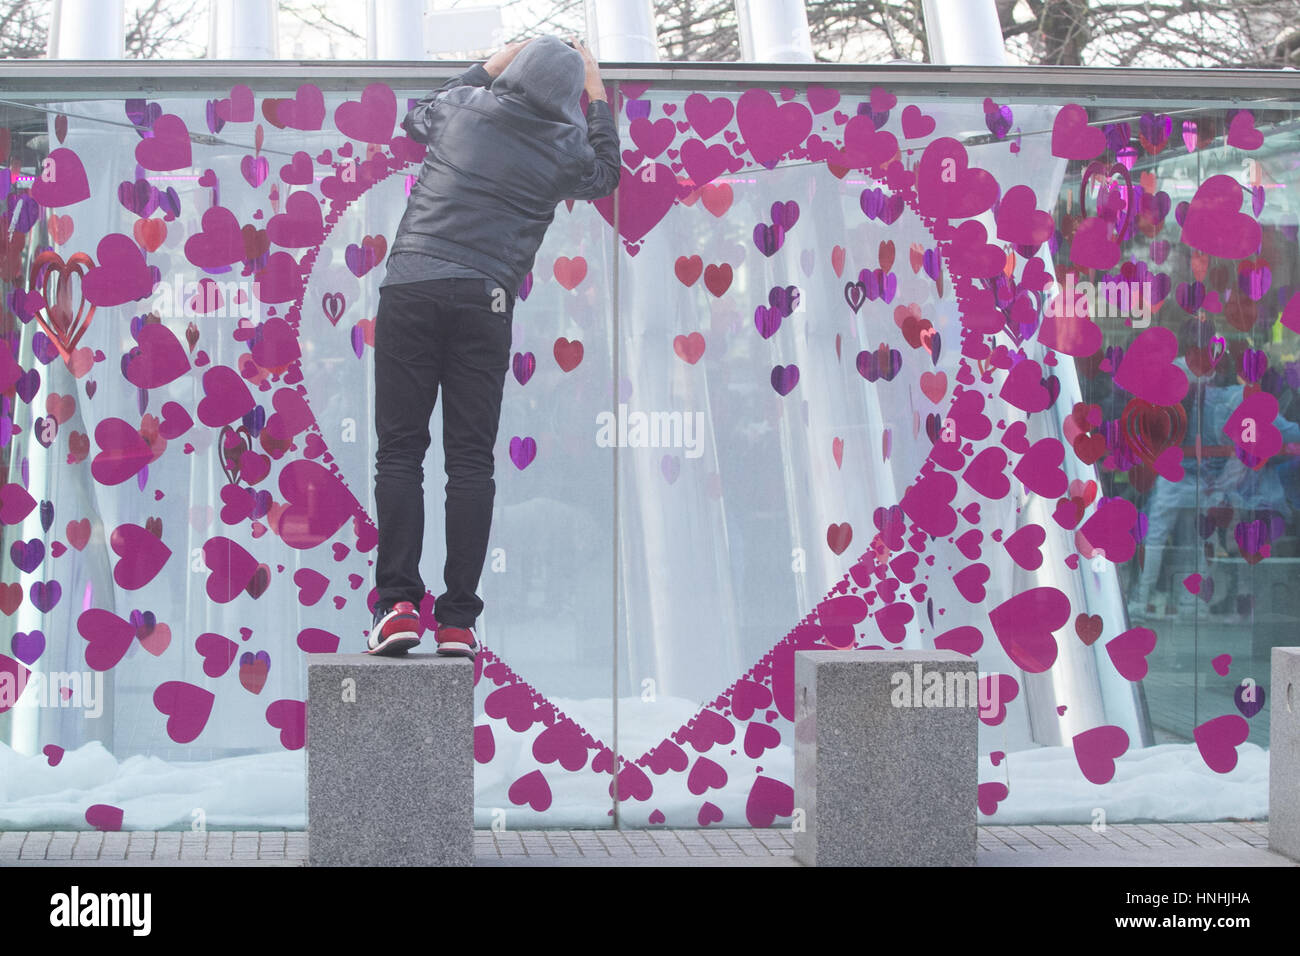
46, 76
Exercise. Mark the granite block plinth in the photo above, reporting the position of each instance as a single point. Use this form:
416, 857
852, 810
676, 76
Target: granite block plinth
390, 760
886, 746
1284, 753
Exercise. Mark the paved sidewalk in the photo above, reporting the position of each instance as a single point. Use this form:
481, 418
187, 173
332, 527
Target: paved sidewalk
1147, 844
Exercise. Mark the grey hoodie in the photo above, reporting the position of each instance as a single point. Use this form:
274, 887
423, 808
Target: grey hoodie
501, 154
548, 74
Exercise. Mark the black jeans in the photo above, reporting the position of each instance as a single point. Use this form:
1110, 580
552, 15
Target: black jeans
438, 334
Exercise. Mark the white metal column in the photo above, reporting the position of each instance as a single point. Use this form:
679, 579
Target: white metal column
87, 30
774, 31
965, 32
395, 30
243, 30
622, 30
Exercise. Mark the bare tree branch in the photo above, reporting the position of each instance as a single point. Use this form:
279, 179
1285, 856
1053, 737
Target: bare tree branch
164, 28
24, 28
1132, 33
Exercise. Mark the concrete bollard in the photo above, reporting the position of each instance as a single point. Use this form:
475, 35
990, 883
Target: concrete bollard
390, 760
886, 747
1284, 753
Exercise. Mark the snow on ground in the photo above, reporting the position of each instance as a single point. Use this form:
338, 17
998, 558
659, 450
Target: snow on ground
1169, 782
256, 790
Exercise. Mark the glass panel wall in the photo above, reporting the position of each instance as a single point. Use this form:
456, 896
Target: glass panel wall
1001, 363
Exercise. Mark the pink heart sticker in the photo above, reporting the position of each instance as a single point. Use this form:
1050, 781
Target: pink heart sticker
1218, 739
186, 708
290, 718
1024, 625
1096, 751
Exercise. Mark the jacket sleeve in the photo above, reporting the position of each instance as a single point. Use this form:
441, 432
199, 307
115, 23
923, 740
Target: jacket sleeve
419, 122
603, 176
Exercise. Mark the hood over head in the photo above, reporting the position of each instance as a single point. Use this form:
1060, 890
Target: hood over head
549, 75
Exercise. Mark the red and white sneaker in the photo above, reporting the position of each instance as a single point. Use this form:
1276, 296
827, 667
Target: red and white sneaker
395, 632
456, 641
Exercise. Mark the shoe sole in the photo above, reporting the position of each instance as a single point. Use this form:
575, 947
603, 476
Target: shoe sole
395, 646
457, 649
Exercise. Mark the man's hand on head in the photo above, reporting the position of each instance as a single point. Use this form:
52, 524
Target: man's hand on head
499, 60
594, 85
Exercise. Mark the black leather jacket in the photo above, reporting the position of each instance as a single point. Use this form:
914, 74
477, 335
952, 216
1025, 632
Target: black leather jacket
494, 172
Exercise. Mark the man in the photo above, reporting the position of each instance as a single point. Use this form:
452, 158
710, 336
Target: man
506, 142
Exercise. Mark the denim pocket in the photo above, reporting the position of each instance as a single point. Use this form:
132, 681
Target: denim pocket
499, 299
